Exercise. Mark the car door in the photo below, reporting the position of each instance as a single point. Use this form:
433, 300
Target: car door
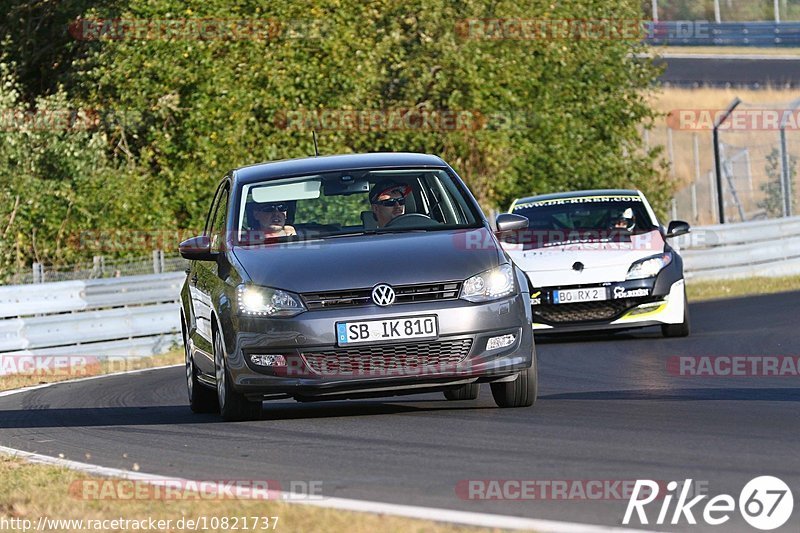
200, 287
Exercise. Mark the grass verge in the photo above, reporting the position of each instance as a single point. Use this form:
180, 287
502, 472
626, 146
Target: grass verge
29, 491
715, 290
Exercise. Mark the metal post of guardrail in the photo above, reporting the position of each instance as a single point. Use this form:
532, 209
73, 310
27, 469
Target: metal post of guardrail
38, 273
158, 261
777, 12
786, 171
655, 10
98, 266
717, 158
717, 15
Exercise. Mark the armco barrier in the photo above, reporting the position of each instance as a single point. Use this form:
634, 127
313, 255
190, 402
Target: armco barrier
705, 33
763, 248
134, 315
139, 315
63, 296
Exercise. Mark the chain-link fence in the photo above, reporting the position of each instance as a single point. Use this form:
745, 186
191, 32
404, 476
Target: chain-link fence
101, 267
723, 10
758, 150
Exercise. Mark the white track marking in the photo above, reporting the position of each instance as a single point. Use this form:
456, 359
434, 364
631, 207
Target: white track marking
344, 504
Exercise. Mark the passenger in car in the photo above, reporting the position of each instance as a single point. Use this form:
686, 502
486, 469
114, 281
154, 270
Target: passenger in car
388, 200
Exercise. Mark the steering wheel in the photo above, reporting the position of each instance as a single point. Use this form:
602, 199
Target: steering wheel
408, 219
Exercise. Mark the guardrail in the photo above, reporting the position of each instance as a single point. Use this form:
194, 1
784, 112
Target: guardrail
763, 248
139, 315
135, 315
705, 33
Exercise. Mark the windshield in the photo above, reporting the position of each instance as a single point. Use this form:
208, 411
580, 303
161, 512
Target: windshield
352, 202
585, 218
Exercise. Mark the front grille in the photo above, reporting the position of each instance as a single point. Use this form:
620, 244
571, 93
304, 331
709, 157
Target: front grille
404, 294
389, 359
585, 311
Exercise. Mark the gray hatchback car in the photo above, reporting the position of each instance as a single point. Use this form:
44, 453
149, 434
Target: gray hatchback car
352, 276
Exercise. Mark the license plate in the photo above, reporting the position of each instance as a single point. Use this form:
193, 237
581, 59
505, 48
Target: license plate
571, 296
422, 327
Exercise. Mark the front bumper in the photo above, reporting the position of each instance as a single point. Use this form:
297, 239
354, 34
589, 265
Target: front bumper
317, 369
645, 308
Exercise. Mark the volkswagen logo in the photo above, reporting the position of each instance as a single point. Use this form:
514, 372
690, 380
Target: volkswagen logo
383, 295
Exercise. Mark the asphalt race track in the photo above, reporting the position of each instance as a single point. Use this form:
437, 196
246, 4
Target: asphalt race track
720, 71
608, 410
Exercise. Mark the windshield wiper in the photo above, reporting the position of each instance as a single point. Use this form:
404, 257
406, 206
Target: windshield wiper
348, 234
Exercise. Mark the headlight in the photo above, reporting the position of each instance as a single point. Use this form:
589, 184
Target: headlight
489, 285
263, 301
649, 267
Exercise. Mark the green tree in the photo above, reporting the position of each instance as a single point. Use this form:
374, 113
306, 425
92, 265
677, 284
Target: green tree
58, 184
556, 113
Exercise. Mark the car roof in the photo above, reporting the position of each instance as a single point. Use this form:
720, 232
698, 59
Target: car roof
577, 194
333, 163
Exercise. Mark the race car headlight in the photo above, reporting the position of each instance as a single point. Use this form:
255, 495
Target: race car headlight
649, 266
263, 301
489, 285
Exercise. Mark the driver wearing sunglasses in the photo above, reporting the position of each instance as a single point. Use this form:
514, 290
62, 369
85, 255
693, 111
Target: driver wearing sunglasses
271, 217
388, 200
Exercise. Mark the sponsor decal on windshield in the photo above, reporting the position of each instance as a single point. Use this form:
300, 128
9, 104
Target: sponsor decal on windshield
579, 200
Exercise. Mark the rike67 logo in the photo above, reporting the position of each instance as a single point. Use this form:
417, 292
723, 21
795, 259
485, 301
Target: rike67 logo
765, 503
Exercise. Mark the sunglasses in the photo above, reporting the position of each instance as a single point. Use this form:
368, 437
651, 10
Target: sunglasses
272, 207
391, 202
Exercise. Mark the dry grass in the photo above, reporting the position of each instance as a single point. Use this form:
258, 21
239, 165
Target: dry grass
30, 491
73, 371
715, 290
725, 50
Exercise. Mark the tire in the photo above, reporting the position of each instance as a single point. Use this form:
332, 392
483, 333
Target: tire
521, 392
201, 398
678, 330
232, 405
469, 391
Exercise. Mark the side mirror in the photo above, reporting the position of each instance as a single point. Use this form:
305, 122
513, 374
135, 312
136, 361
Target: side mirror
197, 249
510, 222
677, 228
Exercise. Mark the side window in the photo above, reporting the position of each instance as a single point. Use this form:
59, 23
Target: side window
217, 230
211, 211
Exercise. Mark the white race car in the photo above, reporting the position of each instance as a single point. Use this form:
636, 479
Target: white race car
599, 260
